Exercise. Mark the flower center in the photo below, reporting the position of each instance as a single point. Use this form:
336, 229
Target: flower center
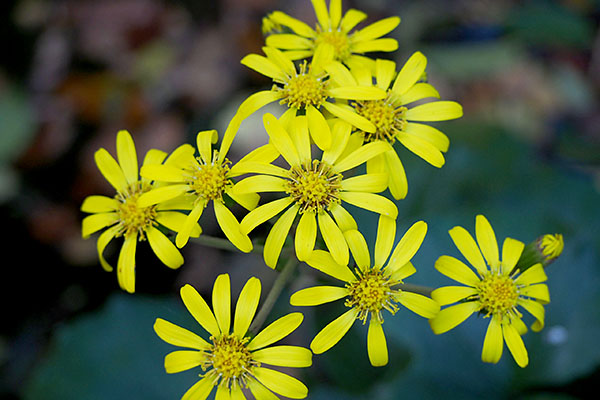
209, 181
552, 245
387, 118
231, 359
498, 294
371, 293
304, 89
314, 186
338, 40
134, 219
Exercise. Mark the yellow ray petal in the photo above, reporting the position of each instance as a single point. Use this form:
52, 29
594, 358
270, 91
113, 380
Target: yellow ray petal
204, 142
350, 116
281, 139
397, 184
221, 302
342, 217
127, 156
435, 111
401, 272
418, 91
428, 133
450, 317
361, 155
339, 74
178, 336
276, 331
423, 149
260, 183
492, 344
103, 241
280, 60
324, 262
199, 310
263, 213
351, 19
231, 227
419, 304
334, 238
255, 102
451, 294
280, 383
294, 24
371, 183
95, 222
126, 264
356, 93
318, 128
163, 173
181, 156
466, 245
161, 194
154, 156
259, 391
333, 332
376, 344
190, 222
376, 30
372, 202
340, 134
111, 170
535, 274
385, 44
175, 221
511, 252
288, 41
164, 249
246, 305
410, 73
358, 247
515, 345
99, 204
539, 292
284, 356
264, 66
317, 295
535, 309
306, 234
384, 73
277, 236
321, 12
457, 270
182, 360
486, 240
335, 13
386, 235
201, 389
301, 138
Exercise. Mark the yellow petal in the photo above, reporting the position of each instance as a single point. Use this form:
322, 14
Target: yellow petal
318, 128
340, 134
103, 241
111, 170
127, 156
351, 19
178, 336
409, 244
428, 133
419, 304
263, 213
334, 238
362, 72
237, 394
255, 102
321, 12
276, 331
259, 391
190, 222
385, 44
535, 274
376, 344
245, 307
264, 66
231, 227
277, 236
183, 360
350, 116
450, 317
418, 91
492, 344
402, 272
451, 294
376, 30
294, 24
410, 73
99, 204
260, 183
435, 111
288, 41
201, 389
486, 240
342, 217
335, 12
515, 345
154, 156
306, 234
357, 93
181, 156
163, 173
297, 54
423, 149
95, 222
333, 332
535, 309
371, 183
457, 270
280, 383
384, 73
161, 194
386, 235
539, 292
126, 264
262, 154
372, 202
397, 184
164, 249
281, 140
183, 202
284, 356
361, 155
358, 247
247, 200
175, 221
221, 302
199, 310
318, 295
223, 393
324, 262
300, 137
467, 246
280, 60
340, 75
511, 252
204, 142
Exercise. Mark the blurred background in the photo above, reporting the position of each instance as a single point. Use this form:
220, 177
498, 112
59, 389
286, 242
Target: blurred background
526, 155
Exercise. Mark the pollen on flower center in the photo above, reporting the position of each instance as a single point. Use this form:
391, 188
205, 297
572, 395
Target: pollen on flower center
371, 293
338, 40
304, 89
314, 186
230, 358
498, 294
387, 118
209, 181
134, 219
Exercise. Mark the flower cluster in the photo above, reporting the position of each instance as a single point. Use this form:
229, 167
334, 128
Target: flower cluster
334, 148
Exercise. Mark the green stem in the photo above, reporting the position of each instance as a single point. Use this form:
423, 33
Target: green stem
223, 244
273, 295
419, 289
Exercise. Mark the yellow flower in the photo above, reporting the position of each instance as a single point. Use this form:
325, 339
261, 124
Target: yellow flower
551, 246
231, 359
370, 289
493, 291
200, 180
309, 89
333, 29
314, 188
395, 119
124, 217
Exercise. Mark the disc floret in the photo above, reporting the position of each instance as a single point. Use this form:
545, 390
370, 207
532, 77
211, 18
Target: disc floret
314, 186
304, 89
209, 181
371, 293
134, 219
230, 359
387, 118
498, 294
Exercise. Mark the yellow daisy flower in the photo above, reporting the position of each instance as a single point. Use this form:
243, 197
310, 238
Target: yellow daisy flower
314, 188
309, 88
200, 180
395, 119
333, 29
494, 291
125, 218
370, 289
231, 360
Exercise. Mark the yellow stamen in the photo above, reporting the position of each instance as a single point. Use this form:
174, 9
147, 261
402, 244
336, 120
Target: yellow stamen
337, 39
231, 360
134, 219
304, 89
314, 186
498, 294
387, 118
209, 181
372, 293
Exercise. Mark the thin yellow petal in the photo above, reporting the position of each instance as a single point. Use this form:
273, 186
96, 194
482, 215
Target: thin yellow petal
288, 41
111, 170
259, 391
223, 393
161, 194
280, 60
457, 270
284, 356
201, 389
385, 44
301, 138
539, 292
247, 200
164, 249
263, 154
276, 331
401, 272
324, 262
376, 344
361, 155
294, 24
103, 241
182, 360
126, 264
127, 156
376, 30
372, 202
199, 310
535, 309
154, 156
318, 295
334, 238
350, 116
511, 252
175, 221
358, 246
264, 66
386, 235
245, 307
384, 73
204, 142
492, 344
280, 383
255, 102
356, 93
263, 213
181, 156
340, 134
277, 236
343, 218
398, 184
418, 91
335, 12
419, 304
221, 302
535, 274
99, 204
321, 12
95, 222
281, 139
451, 294
371, 183
423, 149
428, 133
260, 183
515, 345
340, 75
318, 128
178, 336
486, 240
435, 111
410, 73
351, 19
231, 227
333, 332
189, 225
465, 243
450, 317
306, 234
